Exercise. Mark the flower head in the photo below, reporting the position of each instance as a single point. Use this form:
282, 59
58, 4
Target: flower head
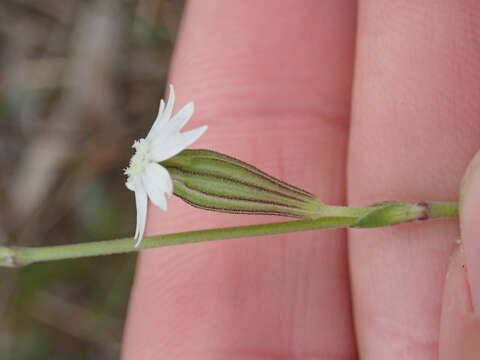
146, 177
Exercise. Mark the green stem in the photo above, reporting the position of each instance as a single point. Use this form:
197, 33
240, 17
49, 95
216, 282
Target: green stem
443, 209
12, 257
337, 216
336, 211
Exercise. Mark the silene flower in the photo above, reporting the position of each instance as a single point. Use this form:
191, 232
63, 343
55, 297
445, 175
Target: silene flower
146, 177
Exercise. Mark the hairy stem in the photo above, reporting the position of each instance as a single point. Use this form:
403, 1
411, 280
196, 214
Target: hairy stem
384, 214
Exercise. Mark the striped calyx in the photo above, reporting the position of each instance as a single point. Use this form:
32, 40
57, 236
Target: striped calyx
213, 181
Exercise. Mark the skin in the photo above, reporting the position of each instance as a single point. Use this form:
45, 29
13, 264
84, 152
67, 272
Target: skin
274, 82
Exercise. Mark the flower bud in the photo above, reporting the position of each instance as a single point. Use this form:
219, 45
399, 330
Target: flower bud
213, 181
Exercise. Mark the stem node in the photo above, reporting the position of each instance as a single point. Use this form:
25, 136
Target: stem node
427, 210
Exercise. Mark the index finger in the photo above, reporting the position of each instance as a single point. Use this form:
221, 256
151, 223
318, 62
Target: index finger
272, 80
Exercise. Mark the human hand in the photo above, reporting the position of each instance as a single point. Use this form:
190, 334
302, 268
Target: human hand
273, 81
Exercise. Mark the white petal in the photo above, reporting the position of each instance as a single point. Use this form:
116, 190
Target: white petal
162, 119
171, 101
178, 121
165, 147
157, 121
141, 203
130, 186
157, 182
161, 108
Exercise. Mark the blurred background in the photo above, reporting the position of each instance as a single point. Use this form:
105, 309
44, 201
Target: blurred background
79, 81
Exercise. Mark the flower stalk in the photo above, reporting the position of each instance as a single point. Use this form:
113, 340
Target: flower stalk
212, 181
383, 214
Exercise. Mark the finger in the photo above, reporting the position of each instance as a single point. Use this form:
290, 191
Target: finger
460, 328
414, 127
272, 80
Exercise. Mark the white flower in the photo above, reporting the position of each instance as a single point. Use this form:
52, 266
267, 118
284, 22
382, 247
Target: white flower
146, 177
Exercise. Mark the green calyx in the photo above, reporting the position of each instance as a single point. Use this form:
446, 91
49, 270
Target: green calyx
213, 181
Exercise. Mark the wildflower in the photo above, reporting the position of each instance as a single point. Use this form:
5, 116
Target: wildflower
146, 177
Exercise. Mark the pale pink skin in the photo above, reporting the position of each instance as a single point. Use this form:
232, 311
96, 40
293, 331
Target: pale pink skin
273, 81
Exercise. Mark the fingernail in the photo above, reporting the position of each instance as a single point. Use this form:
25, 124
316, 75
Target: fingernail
470, 226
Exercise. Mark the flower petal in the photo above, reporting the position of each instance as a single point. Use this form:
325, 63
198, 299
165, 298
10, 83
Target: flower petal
178, 121
141, 204
165, 147
157, 182
171, 101
130, 186
161, 107
157, 121
163, 117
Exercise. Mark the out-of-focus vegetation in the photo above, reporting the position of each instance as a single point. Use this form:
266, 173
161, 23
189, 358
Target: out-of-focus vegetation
79, 81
